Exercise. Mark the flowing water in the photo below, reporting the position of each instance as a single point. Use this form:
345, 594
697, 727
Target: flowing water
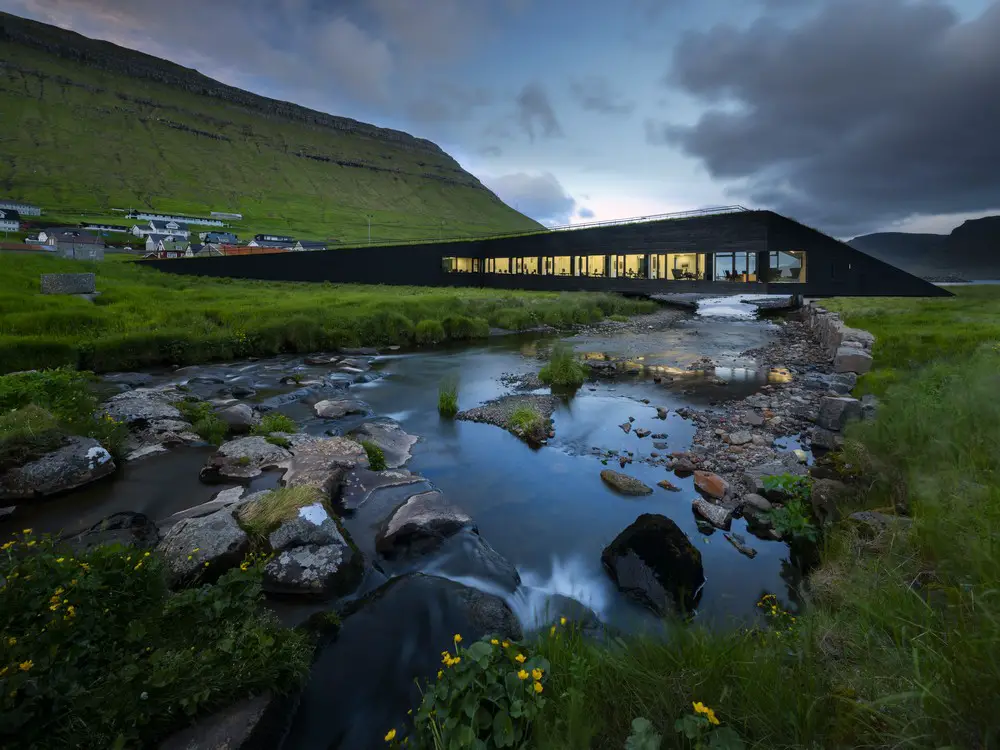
546, 510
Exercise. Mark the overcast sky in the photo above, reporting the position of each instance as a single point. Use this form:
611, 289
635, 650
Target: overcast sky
849, 115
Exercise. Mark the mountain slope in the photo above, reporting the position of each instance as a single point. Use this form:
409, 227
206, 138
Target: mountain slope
88, 126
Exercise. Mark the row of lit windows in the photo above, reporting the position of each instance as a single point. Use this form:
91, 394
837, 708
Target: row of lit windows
737, 266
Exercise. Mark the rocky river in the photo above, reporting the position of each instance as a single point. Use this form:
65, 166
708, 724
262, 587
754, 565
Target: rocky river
470, 528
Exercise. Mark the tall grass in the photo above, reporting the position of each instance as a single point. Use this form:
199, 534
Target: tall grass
448, 398
563, 368
144, 318
266, 514
526, 418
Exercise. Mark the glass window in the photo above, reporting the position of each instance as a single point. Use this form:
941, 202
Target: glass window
557, 266
739, 266
497, 265
526, 266
683, 266
596, 265
629, 266
459, 265
787, 267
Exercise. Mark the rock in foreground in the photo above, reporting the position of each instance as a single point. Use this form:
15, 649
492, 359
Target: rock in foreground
244, 459
78, 462
205, 547
322, 464
625, 484
421, 524
390, 437
500, 413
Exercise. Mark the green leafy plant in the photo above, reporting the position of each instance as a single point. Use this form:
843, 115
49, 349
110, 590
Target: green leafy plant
485, 696
376, 456
703, 730
96, 652
643, 736
448, 399
793, 519
281, 442
780, 619
203, 421
274, 422
563, 368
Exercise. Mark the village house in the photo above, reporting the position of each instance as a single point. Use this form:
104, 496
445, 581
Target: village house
226, 215
10, 220
167, 228
308, 245
74, 244
104, 227
174, 217
219, 238
24, 209
202, 251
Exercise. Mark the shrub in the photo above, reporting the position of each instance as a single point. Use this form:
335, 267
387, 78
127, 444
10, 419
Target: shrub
513, 319
376, 457
266, 514
203, 421
448, 399
485, 696
274, 422
463, 327
526, 419
429, 332
792, 520
563, 369
28, 352
97, 653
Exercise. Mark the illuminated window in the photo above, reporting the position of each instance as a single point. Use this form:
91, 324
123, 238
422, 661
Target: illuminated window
787, 267
497, 265
526, 266
735, 266
596, 265
460, 265
629, 266
681, 266
557, 266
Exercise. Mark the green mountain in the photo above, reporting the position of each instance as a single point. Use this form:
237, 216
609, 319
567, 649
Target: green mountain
87, 126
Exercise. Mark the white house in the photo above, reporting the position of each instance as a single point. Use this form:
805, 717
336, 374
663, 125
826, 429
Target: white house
25, 209
174, 217
226, 215
168, 228
10, 221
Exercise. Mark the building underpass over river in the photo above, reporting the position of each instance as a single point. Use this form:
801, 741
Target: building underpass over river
726, 250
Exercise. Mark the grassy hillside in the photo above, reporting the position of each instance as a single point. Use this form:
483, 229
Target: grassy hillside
88, 126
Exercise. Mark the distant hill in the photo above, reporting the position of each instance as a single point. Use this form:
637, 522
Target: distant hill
971, 251
87, 126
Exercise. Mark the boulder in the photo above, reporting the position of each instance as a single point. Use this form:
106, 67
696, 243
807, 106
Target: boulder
757, 502
849, 359
134, 529
661, 412
337, 408
141, 405
323, 463
869, 407
311, 525
244, 459
420, 524
716, 515
240, 418
80, 461
754, 419
625, 484
215, 539
836, 411
641, 432
753, 477
222, 499
653, 562
467, 555
314, 570
871, 523
360, 483
825, 498
740, 437
825, 439
390, 437
711, 484
257, 722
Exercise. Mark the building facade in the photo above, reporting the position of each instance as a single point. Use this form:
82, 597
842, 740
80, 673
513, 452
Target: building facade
756, 252
24, 209
10, 220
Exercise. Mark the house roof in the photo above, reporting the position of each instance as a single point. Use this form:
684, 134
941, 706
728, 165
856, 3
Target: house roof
76, 237
312, 244
163, 225
272, 243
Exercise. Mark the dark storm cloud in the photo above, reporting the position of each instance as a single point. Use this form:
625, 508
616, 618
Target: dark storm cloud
534, 111
596, 94
541, 197
865, 113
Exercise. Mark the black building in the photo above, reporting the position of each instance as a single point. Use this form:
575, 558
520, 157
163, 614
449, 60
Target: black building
728, 251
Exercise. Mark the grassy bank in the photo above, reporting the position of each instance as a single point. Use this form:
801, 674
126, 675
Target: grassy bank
896, 648
143, 318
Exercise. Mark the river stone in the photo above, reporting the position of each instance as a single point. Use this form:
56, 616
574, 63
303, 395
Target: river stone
337, 408
625, 484
754, 419
740, 437
711, 484
822, 438
313, 570
240, 418
467, 555
825, 498
323, 463
753, 477
358, 485
836, 411
661, 412
219, 540
850, 359
390, 437
134, 529
221, 500
716, 515
668, 485
258, 722
756, 502
311, 525
653, 562
80, 461
872, 523
141, 405
244, 458
420, 524
740, 543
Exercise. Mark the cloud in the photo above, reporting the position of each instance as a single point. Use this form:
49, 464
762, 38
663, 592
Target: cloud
540, 196
535, 110
863, 114
584, 213
448, 102
595, 93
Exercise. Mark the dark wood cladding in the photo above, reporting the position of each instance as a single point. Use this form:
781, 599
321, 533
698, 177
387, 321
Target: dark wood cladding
832, 267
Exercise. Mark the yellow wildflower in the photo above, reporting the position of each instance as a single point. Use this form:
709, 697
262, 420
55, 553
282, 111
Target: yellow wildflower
26, 531
456, 660
146, 555
190, 557
552, 630
24, 666
701, 708
71, 610
11, 641
60, 559
522, 675
562, 620
73, 582
505, 644
59, 591
31, 543
538, 687
54, 607
440, 674
390, 735
536, 673
85, 567
196, 549
206, 565
3, 671
458, 638
520, 658
495, 642
7, 546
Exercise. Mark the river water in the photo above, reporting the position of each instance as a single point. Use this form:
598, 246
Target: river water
546, 510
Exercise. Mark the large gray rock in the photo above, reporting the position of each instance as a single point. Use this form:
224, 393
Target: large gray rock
337, 408
849, 359
240, 418
323, 463
68, 283
420, 524
216, 539
78, 462
227, 498
836, 411
390, 437
252, 723
311, 525
822, 438
314, 570
740, 437
716, 515
753, 477
872, 523
132, 529
359, 484
142, 405
826, 498
625, 484
244, 459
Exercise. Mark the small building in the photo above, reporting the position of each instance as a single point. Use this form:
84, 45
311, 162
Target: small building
10, 220
77, 245
104, 227
151, 216
172, 228
302, 245
272, 244
227, 215
219, 238
24, 209
202, 251
274, 238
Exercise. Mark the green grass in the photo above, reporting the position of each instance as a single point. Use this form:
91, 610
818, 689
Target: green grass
526, 418
896, 647
203, 421
265, 515
144, 318
448, 399
376, 457
274, 422
26, 434
563, 368
118, 129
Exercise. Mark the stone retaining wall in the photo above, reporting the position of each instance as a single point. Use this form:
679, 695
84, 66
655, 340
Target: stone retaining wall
68, 283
